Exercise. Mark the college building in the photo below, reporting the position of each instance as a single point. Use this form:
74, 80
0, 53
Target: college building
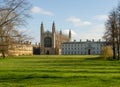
82, 47
18, 49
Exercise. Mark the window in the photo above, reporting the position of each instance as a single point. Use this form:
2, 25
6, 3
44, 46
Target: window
48, 42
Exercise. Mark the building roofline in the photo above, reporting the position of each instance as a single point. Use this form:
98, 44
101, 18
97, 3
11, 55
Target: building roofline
84, 42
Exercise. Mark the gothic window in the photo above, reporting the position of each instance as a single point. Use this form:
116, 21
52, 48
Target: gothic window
48, 42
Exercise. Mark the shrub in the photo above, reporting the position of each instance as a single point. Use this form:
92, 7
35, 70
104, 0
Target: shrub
107, 52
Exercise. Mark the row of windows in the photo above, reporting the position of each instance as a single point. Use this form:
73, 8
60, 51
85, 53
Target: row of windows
79, 52
98, 48
69, 45
74, 47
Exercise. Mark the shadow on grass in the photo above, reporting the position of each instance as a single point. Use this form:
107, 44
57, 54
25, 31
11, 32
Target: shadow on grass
44, 76
95, 58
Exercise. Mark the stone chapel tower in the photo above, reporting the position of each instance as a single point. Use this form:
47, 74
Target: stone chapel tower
69, 34
41, 39
53, 34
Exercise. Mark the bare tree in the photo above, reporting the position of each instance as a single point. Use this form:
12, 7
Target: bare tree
110, 31
118, 31
13, 14
112, 34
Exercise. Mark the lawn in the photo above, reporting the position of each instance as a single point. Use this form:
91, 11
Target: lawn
59, 71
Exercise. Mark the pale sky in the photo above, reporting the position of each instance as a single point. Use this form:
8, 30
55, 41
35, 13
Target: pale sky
85, 18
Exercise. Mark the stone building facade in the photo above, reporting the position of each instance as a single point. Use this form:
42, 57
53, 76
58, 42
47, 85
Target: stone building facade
51, 41
18, 49
82, 48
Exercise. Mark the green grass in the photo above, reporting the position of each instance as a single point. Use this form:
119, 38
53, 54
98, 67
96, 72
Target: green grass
59, 71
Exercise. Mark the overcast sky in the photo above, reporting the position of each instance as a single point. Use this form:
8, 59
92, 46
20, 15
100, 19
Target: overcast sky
85, 18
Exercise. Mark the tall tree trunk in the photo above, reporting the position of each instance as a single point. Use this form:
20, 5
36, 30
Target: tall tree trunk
113, 38
3, 54
114, 53
118, 50
119, 44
